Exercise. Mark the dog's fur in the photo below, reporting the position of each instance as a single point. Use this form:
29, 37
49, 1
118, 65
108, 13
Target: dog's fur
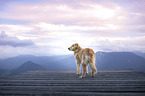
83, 57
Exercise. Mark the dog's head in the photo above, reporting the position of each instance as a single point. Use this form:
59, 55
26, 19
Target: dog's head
74, 47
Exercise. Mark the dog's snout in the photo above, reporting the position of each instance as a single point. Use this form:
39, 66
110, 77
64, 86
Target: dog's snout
68, 48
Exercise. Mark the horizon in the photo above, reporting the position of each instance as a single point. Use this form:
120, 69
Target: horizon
136, 53
49, 27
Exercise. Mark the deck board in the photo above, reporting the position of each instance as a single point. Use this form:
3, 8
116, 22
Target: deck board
67, 83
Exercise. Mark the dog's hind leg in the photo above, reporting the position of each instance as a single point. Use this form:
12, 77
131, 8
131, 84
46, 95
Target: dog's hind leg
94, 69
92, 65
84, 70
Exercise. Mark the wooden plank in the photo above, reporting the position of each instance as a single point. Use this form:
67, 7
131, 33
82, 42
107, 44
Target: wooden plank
67, 83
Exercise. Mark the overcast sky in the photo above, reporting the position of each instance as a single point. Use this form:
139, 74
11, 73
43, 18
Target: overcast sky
49, 27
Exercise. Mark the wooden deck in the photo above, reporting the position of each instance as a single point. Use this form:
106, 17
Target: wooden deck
67, 83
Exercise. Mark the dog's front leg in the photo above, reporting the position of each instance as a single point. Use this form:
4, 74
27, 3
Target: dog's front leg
78, 69
86, 69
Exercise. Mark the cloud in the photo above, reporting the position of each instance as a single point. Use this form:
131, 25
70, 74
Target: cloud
103, 25
6, 40
65, 12
97, 15
130, 44
43, 29
59, 37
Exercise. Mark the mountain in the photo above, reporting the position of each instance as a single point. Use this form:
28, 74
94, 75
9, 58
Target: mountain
108, 60
65, 64
120, 60
2, 71
140, 54
14, 62
104, 60
28, 66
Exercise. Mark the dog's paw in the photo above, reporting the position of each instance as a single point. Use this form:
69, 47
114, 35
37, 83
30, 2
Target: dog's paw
96, 72
78, 74
81, 77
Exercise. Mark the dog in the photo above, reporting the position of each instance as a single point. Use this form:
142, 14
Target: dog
83, 57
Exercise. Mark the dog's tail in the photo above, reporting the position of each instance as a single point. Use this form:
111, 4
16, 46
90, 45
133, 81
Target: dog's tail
93, 67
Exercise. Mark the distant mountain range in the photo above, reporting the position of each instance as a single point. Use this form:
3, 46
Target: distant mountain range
104, 60
14, 62
140, 54
120, 60
28, 66
2, 71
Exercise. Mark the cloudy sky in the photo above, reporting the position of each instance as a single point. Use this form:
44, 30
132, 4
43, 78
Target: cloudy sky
49, 27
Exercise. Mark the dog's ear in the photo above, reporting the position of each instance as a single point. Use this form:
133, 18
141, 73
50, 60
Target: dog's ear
77, 45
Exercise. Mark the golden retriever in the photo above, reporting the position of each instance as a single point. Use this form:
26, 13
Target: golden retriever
83, 57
